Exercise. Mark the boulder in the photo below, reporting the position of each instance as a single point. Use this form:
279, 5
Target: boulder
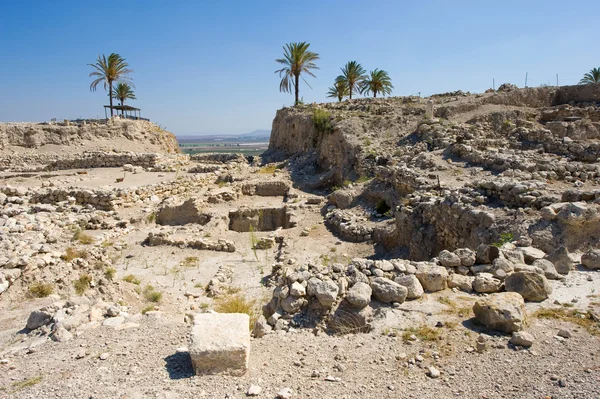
463, 283
412, 284
591, 259
561, 260
531, 286
292, 304
486, 283
387, 291
547, 267
448, 259
504, 311
432, 278
531, 254
501, 268
324, 290
359, 295
486, 254
38, 318
467, 257
220, 343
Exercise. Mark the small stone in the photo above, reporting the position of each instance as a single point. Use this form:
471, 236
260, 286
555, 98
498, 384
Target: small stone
564, 333
331, 378
433, 372
80, 354
522, 338
285, 393
104, 356
254, 390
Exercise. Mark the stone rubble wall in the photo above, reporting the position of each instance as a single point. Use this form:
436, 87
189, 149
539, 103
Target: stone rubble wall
104, 199
165, 239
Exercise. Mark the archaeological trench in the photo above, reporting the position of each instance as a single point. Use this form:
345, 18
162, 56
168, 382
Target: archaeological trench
460, 220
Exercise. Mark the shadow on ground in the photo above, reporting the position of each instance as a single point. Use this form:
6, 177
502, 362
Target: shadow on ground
179, 365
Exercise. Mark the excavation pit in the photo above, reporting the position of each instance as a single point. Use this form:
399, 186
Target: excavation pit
261, 219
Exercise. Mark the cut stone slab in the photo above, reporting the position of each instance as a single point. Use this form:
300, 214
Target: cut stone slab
220, 343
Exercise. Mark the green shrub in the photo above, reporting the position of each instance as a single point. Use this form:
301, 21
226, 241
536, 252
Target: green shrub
110, 273
322, 121
151, 294
82, 283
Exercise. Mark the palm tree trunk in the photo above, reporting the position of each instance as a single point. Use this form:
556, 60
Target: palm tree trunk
296, 88
122, 104
110, 96
351, 87
374, 94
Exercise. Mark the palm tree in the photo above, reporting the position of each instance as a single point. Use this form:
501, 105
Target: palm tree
353, 74
123, 92
108, 71
378, 82
592, 76
339, 90
297, 60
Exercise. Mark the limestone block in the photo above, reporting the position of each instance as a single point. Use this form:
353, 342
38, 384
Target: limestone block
220, 343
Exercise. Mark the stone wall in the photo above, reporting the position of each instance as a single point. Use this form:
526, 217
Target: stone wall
578, 94
110, 199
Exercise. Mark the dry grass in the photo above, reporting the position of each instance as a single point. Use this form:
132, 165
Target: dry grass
130, 278
423, 333
20, 385
147, 309
82, 283
268, 170
72, 253
238, 304
110, 273
40, 290
83, 237
190, 261
577, 317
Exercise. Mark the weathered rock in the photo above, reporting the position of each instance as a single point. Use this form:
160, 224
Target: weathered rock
463, 283
591, 259
359, 295
531, 286
387, 291
220, 343
486, 283
448, 259
504, 311
501, 268
324, 290
412, 284
561, 260
486, 254
432, 278
467, 257
261, 327
531, 254
38, 318
61, 334
547, 267
522, 338
292, 304
297, 289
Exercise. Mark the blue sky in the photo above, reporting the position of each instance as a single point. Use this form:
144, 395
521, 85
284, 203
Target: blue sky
208, 67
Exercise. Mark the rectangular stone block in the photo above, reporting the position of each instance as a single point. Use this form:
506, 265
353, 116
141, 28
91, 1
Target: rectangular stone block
220, 343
